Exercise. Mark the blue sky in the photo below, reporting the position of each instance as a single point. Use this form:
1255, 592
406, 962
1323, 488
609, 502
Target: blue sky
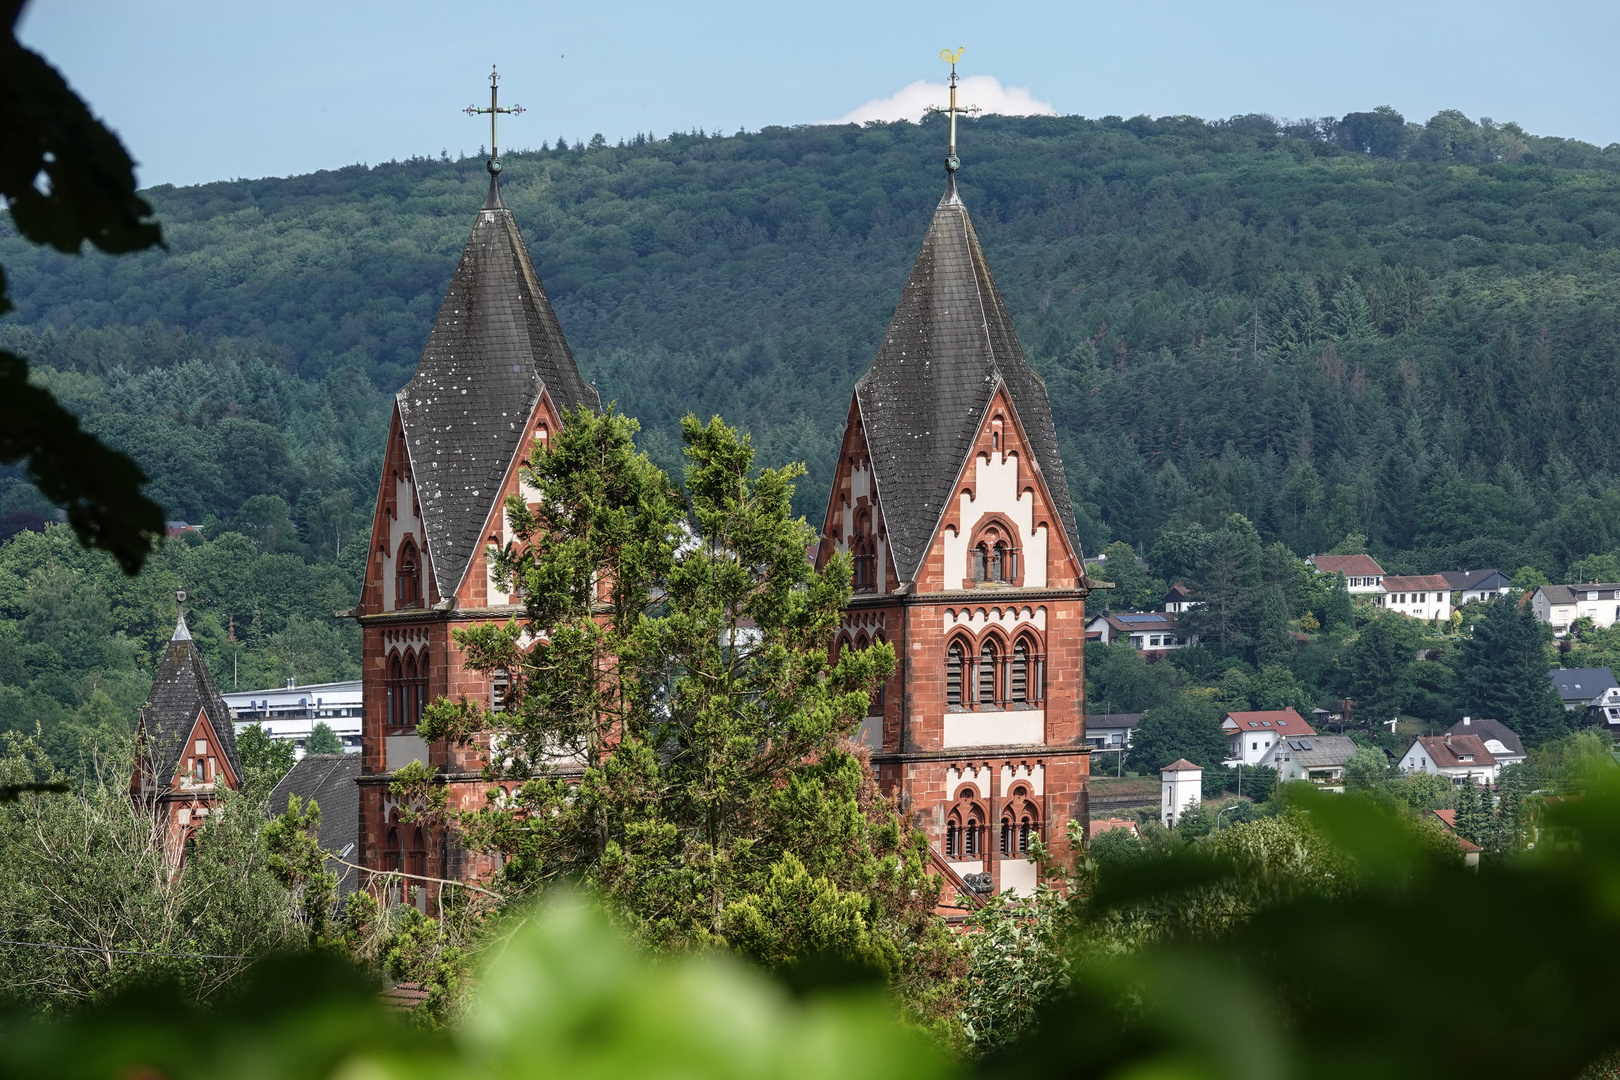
219, 89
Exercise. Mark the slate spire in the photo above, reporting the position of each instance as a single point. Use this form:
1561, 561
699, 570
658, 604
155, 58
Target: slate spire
494, 349
181, 691
949, 346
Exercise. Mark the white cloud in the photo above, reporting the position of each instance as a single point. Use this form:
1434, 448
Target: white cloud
985, 91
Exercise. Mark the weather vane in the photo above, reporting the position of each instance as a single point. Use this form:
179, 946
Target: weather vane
494, 111
951, 162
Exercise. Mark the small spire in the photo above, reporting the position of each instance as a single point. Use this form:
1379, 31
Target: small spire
493, 201
180, 631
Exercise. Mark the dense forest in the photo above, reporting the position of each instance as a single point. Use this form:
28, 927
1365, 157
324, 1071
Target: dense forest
1335, 328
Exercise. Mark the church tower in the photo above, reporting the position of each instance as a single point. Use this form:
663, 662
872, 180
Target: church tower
495, 377
950, 497
186, 744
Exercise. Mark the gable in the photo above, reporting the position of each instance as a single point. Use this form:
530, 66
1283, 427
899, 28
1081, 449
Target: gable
1001, 494
477, 588
397, 532
203, 745
854, 522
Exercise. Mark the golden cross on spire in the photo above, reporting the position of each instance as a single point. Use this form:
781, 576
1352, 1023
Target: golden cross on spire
495, 110
951, 162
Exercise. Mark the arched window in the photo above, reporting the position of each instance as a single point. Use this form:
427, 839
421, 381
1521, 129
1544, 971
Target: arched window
416, 857
864, 551
199, 770
500, 687
993, 560
420, 697
965, 827
981, 561
395, 684
955, 661
987, 674
391, 849
876, 708
408, 577
408, 712
1020, 822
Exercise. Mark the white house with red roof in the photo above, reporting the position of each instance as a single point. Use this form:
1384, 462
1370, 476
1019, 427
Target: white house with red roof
1362, 574
1422, 596
1250, 735
1459, 758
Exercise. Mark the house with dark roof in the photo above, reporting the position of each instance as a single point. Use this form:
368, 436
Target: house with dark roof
185, 745
1459, 758
1499, 739
1362, 574
331, 782
1560, 605
1177, 599
1251, 735
1316, 759
1420, 596
1151, 633
1471, 585
1578, 687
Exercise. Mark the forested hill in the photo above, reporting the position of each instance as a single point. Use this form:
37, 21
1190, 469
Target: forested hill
1402, 330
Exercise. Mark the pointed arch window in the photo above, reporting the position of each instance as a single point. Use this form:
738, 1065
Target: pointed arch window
395, 685
955, 662
993, 558
419, 690
391, 848
965, 828
408, 576
876, 708
416, 857
987, 674
863, 548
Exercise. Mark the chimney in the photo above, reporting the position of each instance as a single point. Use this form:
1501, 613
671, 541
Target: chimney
292, 684
1448, 740
1468, 721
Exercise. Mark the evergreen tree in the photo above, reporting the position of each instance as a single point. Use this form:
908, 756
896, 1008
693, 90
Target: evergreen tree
1275, 643
1338, 613
684, 668
1188, 726
1502, 673
1226, 585
1379, 660
323, 740
1351, 321
1471, 816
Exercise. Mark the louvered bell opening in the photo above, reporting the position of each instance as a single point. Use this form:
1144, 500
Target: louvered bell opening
953, 676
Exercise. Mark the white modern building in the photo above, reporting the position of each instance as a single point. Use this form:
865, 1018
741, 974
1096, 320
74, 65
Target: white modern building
1251, 735
291, 712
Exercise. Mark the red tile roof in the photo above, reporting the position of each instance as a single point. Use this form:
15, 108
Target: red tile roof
1348, 565
1102, 825
1448, 755
1417, 583
1181, 765
1285, 721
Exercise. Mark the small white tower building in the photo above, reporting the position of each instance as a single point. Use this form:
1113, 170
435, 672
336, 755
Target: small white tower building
1183, 785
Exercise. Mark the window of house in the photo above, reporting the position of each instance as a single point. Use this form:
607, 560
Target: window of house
199, 770
391, 850
409, 712
1019, 688
1154, 640
500, 685
987, 674
407, 577
863, 549
395, 686
420, 697
416, 857
954, 662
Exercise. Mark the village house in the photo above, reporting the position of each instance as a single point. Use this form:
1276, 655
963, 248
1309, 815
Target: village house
1421, 596
1151, 633
1318, 759
1560, 605
1459, 758
1471, 585
1095, 827
1178, 599
1470, 850
1579, 687
1111, 731
1251, 735
1604, 710
1498, 738
1362, 574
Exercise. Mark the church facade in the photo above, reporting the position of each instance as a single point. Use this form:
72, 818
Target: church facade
494, 380
949, 495
951, 500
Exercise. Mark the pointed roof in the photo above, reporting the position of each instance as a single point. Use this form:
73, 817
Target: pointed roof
181, 691
948, 348
494, 349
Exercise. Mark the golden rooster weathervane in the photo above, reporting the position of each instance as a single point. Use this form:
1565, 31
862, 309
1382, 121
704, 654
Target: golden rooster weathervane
951, 162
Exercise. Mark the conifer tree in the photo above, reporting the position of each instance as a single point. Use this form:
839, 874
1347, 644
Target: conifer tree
678, 736
1502, 673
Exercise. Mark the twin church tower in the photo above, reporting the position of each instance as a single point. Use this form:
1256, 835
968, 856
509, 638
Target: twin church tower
949, 494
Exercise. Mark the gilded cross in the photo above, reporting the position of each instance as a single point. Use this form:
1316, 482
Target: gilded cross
495, 110
951, 162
